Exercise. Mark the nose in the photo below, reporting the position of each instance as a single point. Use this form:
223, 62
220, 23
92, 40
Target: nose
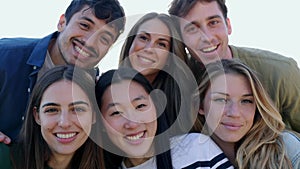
64, 119
233, 110
206, 35
131, 122
149, 46
90, 38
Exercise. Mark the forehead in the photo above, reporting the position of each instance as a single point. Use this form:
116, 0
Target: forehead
87, 13
202, 10
154, 26
64, 90
125, 90
231, 83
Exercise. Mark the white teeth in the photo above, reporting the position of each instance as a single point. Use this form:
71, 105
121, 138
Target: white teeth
136, 137
65, 136
209, 49
146, 60
83, 53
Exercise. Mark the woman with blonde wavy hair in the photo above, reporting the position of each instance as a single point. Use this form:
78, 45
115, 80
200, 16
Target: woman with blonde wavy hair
237, 113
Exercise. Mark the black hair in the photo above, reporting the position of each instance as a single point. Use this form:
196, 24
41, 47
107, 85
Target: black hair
109, 10
110, 77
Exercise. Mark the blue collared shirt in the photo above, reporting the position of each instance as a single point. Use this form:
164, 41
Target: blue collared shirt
20, 61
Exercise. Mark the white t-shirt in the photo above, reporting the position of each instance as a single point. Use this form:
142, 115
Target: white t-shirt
192, 151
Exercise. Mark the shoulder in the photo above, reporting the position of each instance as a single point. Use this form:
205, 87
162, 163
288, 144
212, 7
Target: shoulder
192, 142
196, 150
151, 163
13, 43
292, 144
247, 55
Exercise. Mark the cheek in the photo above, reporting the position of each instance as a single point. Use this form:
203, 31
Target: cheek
213, 116
85, 123
48, 122
163, 56
250, 116
112, 126
113, 132
135, 47
189, 40
153, 128
102, 51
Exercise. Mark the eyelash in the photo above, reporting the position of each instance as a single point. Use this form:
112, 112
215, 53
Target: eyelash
50, 110
140, 106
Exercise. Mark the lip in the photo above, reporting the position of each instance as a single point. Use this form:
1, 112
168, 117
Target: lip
209, 49
232, 126
81, 51
145, 60
136, 138
65, 137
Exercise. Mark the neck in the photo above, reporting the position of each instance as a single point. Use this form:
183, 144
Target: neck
55, 53
131, 162
229, 53
60, 161
151, 77
227, 147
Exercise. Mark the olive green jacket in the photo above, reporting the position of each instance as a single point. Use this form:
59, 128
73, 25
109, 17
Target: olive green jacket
280, 77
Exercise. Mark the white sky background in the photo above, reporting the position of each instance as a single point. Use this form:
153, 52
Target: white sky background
267, 24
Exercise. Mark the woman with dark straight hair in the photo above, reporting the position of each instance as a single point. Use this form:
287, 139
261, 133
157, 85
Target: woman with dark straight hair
59, 122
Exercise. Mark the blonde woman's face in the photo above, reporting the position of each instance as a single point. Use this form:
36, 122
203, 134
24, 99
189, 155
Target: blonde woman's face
150, 49
229, 107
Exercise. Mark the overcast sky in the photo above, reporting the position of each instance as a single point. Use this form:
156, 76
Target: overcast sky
267, 24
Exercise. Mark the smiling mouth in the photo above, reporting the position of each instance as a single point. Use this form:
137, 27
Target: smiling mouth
144, 59
136, 137
81, 52
65, 136
209, 49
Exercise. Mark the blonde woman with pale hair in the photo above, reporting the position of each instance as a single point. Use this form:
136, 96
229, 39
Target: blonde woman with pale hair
237, 113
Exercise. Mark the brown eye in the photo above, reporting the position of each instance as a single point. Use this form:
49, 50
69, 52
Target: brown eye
115, 113
84, 26
51, 110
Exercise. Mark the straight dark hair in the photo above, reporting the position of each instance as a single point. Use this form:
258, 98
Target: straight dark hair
112, 160
32, 151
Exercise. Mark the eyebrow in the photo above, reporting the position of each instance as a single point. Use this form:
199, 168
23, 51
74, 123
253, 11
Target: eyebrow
245, 95
189, 24
71, 104
149, 34
78, 102
214, 17
195, 23
141, 97
88, 19
111, 105
110, 34
50, 104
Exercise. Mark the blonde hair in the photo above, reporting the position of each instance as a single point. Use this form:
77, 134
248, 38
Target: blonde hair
262, 145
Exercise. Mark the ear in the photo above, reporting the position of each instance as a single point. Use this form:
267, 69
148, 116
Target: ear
229, 29
61, 23
201, 112
36, 116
